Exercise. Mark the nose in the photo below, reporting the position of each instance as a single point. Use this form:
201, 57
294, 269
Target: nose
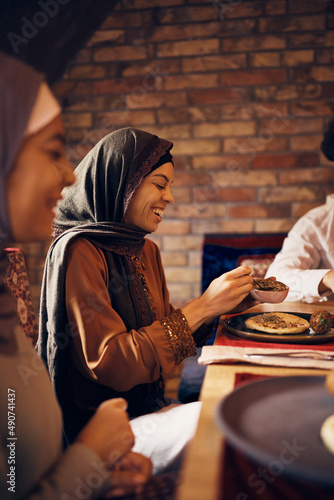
168, 196
66, 173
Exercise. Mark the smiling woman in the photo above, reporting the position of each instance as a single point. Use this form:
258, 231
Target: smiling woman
109, 330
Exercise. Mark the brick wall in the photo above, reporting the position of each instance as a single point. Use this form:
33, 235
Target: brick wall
244, 90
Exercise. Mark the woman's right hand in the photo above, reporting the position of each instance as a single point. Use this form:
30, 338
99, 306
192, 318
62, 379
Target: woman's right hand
222, 296
108, 433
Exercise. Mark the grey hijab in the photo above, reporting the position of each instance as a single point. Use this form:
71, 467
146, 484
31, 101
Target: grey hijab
19, 86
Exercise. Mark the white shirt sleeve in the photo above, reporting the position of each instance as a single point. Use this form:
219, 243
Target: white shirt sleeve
297, 264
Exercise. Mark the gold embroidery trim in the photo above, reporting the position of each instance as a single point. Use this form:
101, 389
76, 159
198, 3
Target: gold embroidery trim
179, 335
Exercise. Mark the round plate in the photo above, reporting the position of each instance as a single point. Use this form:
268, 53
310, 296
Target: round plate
277, 422
236, 325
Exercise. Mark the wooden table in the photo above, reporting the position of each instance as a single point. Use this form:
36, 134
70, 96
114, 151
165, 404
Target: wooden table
201, 470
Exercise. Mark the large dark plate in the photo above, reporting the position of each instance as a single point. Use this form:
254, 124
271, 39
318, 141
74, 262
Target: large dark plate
236, 325
276, 422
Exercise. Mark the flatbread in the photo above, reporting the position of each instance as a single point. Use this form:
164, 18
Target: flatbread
327, 433
278, 323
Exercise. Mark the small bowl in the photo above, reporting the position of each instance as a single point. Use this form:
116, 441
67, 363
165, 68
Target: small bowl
269, 296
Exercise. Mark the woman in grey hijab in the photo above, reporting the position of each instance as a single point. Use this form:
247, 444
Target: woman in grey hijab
33, 173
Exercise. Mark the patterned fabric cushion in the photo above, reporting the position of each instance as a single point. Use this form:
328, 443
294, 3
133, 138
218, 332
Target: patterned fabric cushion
18, 282
259, 263
224, 252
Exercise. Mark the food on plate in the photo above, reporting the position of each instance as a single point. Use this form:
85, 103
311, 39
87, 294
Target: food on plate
329, 382
321, 321
327, 433
279, 323
269, 285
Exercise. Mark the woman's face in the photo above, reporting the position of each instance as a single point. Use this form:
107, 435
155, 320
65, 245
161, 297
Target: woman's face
150, 199
34, 185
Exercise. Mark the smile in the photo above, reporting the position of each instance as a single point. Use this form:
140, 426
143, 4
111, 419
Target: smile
158, 212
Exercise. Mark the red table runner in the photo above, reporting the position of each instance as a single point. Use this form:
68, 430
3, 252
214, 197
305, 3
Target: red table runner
226, 338
241, 479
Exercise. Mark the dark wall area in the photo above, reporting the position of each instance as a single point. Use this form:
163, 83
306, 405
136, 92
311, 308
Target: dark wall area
48, 33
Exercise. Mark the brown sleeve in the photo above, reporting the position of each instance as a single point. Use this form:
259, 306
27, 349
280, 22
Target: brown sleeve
102, 347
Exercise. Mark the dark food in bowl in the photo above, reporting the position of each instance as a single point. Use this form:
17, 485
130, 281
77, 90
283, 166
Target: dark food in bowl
321, 321
268, 284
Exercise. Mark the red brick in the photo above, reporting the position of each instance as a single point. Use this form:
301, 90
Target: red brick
312, 175
123, 19
81, 120
95, 103
186, 15
286, 161
288, 92
275, 7
101, 37
217, 194
253, 110
291, 23
305, 142
174, 227
218, 96
87, 72
190, 242
328, 90
256, 42
330, 21
126, 118
141, 99
197, 147
299, 209
300, 6
228, 162
239, 177
156, 68
314, 74
121, 53
228, 10
273, 225
325, 56
255, 145
184, 32
312, 108
284, 194
229, 128
189, 114
296, 57
253, 77
188, 48
263, 59
182, 195
258, 211
196, 210
214, 63
191, 179
311, 40
172, 132
223, 226
180, 82
285, 125
149, 4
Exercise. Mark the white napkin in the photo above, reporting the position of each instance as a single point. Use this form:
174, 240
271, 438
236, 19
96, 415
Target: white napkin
229, 354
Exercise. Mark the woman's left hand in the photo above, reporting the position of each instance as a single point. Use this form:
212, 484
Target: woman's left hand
129, 475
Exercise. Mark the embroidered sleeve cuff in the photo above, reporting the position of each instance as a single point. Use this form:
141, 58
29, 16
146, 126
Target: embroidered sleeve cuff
179, 335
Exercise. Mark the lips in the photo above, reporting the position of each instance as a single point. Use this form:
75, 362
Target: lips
158, 211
